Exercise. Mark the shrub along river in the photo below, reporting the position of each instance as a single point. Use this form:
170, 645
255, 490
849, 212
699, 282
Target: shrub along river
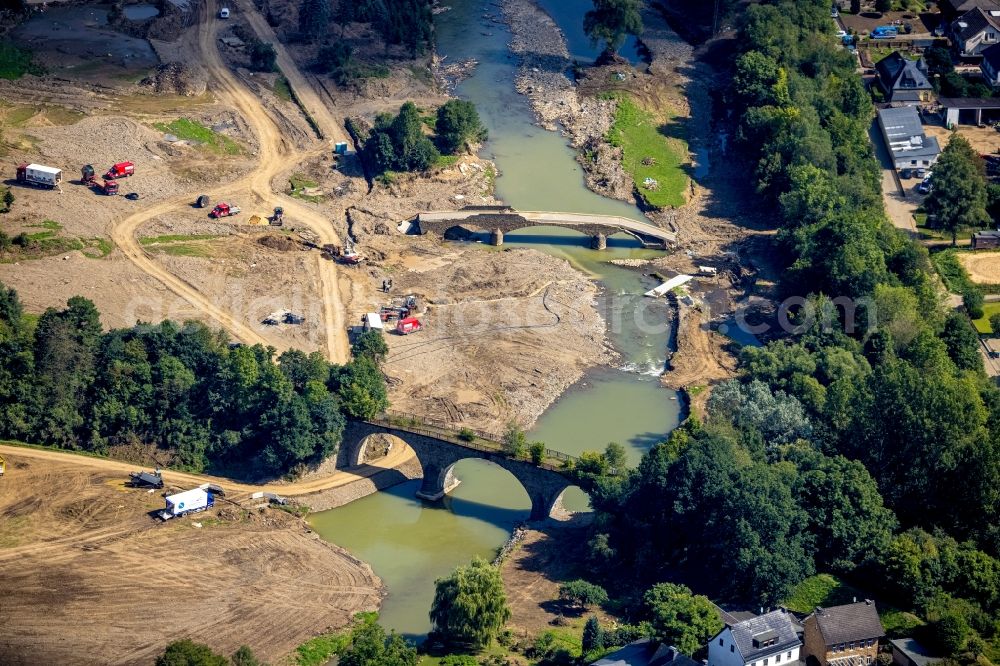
410, 543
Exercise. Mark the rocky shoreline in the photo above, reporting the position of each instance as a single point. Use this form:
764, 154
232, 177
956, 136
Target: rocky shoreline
544, 70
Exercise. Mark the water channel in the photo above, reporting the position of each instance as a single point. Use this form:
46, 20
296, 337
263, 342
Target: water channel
409, 543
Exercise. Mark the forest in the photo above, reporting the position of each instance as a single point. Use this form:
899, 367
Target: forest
207, 404
869, 451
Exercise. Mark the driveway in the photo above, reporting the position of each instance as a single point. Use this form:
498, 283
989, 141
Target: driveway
900, 204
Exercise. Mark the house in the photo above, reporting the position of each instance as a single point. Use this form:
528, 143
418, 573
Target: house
904, 136
645, 652
982, 240
903, 81
908, 652
975, 31
990, 66
952, 9
766, 640
842, 635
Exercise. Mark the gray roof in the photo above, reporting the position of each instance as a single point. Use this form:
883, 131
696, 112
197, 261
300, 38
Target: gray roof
850, 622
776, 624
973, 22
914, 651
960, 6
902, 78
645, 652
905, 134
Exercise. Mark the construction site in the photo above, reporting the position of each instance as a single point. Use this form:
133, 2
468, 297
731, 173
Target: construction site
161, 178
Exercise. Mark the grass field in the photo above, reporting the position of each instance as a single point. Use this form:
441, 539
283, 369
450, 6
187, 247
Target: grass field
983, 323
648, 153
299, 184
176, 238
189, 130
820, 590
282, 89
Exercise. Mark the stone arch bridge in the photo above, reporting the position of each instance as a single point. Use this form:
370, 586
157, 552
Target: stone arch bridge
499, 220
439, 449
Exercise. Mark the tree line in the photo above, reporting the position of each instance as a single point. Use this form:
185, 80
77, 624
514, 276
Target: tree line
871, 452
210, 404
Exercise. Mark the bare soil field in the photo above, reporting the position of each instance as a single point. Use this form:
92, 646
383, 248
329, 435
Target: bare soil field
90, 577
984, 140
983, 267
505, 333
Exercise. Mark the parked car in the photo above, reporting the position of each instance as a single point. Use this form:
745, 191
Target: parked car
920, 173
925, 186
906, 174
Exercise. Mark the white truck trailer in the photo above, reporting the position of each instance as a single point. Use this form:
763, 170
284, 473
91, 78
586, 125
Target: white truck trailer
187, 502
38, 174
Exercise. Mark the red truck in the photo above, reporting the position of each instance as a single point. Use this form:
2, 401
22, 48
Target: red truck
120, 170
224, 210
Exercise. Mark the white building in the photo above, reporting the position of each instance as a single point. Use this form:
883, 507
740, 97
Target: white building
765, 640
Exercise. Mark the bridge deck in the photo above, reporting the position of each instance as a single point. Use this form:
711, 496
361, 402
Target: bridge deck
558, 218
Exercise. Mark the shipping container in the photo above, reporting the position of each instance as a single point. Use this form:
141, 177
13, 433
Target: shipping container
186, 502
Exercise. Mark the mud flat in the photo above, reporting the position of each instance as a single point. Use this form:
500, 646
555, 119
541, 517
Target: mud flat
90, 576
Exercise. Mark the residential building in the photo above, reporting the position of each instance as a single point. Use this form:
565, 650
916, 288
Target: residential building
766, 640
952, 9
904, 136
908, 652
990, 65
975, 31
903, 81
983, 240
842, 635
645, 652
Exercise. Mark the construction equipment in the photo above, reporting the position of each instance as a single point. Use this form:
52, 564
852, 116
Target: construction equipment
87, 174
202, 201
146, 479
224, 210
278, 218
408, 325
38, 174
110, 187
292, 318
186, 502
120, 170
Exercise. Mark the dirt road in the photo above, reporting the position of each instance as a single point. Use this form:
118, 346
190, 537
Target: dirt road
274, 155
396, 457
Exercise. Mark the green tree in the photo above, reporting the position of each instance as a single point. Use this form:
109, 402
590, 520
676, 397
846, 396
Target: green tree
537, 452
973, 300
855, 6
458, 125
244, 656
314, 19
188, 653
882, 6
962, 341
370, 646
371, 344
361, 388
470, 606
995, 323
610, 21
8, 200
950, 633
398, 143
681, 618
958, 197
514, 441
263, 57
582, 594
616, 457
593, 635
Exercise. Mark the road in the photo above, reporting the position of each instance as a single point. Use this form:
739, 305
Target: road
274, 155
400, 453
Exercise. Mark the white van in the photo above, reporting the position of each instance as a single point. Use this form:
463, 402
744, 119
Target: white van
224, 13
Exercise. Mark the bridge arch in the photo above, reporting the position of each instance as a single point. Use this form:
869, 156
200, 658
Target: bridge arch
438, 453
368, 448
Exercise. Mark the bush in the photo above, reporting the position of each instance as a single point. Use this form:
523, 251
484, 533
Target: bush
514, 441
582, 593
972, 299
458, 125
537, 452
466, 434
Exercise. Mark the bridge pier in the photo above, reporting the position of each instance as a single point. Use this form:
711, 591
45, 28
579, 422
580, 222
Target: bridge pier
436, 484
543, 502
496, 238
599, 242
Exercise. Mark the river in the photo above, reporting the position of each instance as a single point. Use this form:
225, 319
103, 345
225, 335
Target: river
410, 543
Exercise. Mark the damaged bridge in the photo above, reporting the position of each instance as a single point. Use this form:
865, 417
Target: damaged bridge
469, 222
